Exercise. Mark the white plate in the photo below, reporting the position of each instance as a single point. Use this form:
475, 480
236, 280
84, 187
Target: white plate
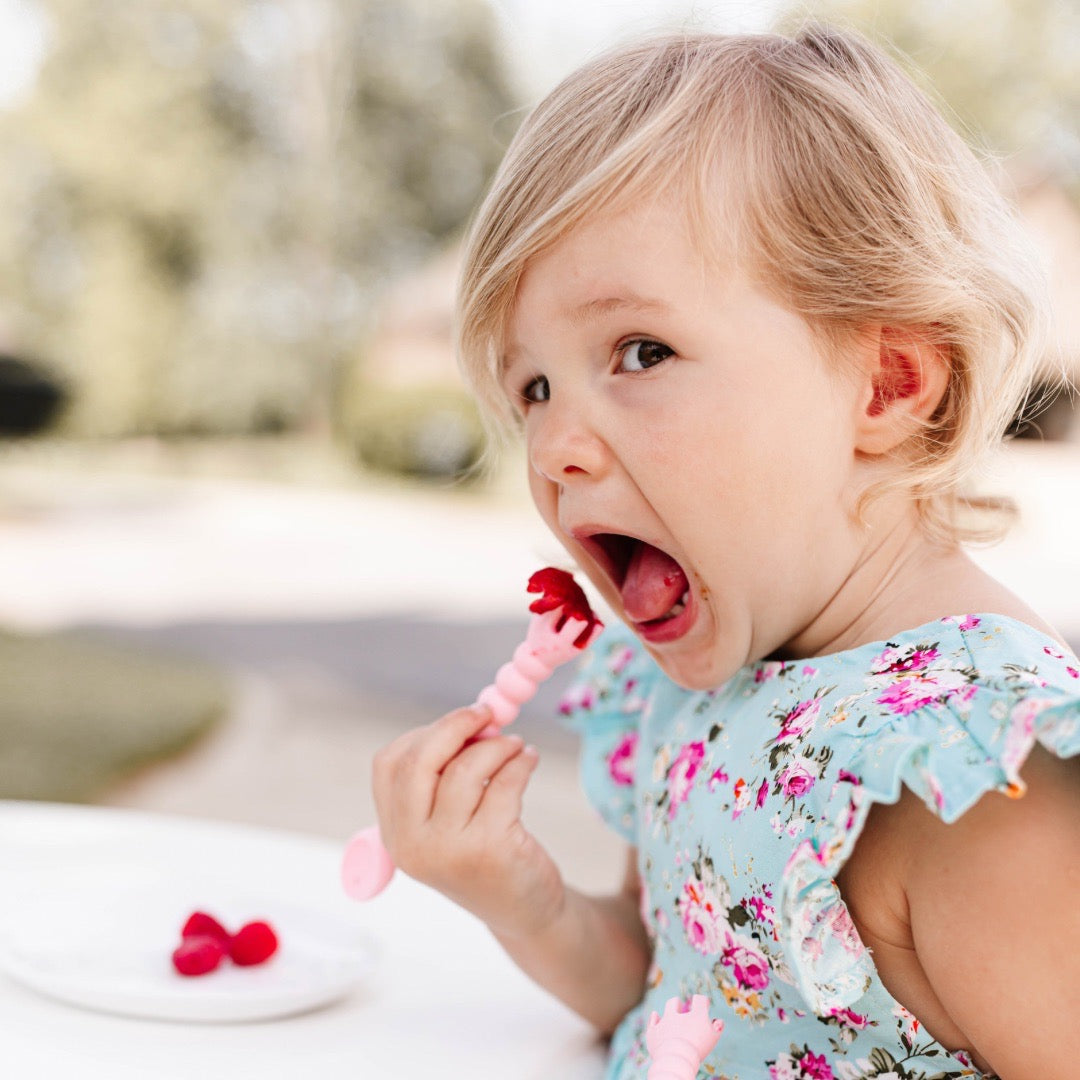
111, 952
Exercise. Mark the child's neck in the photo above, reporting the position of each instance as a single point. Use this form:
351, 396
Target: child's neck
901, 579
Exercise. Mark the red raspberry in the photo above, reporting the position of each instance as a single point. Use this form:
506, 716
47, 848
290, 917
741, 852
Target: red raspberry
254, 943
200, 924
198, 955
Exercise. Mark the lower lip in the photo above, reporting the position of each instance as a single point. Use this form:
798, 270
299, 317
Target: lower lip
660, 631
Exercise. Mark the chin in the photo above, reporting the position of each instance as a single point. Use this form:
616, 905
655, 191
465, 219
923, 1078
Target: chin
693, 673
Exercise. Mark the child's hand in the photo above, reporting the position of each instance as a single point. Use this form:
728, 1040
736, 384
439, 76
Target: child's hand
449, 812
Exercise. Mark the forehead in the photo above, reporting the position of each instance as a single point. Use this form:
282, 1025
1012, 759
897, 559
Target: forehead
636, 261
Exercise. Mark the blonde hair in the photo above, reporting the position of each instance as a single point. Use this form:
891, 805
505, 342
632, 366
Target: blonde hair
852, 200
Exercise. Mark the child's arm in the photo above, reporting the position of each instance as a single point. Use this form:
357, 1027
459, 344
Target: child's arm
595, 956
450, 814
984, 935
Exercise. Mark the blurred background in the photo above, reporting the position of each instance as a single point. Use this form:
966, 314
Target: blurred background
241, 539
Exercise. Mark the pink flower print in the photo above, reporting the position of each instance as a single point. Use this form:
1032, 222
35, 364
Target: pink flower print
619, 658
681, 775
850, 777
1072, 671
841, 928
703, 910
769, 670
800, 1066
814, 1067
852, 811
632, 702
799, 721
718, 777
577, 697
907, 695
970, 622
763, 912
895, 661
785, 1067
1019, 739
809, 672
747, 963
762, 792
908, 1025
742, 797
798, 778
847, 1018
622, 759
1053, 652
965, 693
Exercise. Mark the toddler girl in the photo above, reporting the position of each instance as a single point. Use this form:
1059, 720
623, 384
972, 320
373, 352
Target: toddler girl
759, 314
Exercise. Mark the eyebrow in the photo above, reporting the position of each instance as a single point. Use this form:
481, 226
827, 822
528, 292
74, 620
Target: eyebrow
592, 310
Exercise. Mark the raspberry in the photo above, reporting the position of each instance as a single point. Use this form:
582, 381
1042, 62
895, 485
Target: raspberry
560, 592
198, 955
200, 924
253, 944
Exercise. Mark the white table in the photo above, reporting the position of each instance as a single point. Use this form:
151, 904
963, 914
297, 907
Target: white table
443, 1002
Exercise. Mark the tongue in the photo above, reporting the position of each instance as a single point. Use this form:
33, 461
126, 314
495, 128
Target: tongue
654, 583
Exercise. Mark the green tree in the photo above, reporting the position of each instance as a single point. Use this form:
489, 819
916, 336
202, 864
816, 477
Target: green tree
202, 197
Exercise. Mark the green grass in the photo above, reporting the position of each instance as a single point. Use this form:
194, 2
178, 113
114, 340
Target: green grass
78, 714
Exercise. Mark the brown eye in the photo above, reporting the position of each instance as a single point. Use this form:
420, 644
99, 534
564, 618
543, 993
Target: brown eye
640, 355
536, 391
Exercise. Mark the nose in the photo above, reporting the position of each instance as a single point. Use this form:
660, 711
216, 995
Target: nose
564, 446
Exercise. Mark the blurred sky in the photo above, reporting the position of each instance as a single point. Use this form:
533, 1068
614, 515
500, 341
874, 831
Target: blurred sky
22, 38
544, 41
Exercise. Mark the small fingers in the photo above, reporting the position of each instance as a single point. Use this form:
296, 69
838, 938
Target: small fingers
467, 777
504, 793
406, 773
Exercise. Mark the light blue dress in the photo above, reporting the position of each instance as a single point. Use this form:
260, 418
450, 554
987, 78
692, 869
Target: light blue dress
745, 801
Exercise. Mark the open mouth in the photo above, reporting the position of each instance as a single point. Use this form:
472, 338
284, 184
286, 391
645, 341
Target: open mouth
653, 587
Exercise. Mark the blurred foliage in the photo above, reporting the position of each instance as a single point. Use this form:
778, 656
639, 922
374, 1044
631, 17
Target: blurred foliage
77, 714
201, 197
1007, 69
428, 431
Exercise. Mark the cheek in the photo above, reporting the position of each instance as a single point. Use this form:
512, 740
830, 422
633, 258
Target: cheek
544, 496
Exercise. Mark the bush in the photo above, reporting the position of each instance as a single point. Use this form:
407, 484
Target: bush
432, 432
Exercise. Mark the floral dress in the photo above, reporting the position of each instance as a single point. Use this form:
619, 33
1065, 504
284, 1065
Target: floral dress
745, 801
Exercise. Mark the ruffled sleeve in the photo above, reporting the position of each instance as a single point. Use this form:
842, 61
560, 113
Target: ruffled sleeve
950, 734
605, 706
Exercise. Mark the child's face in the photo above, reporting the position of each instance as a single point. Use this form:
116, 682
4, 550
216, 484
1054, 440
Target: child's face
689, 444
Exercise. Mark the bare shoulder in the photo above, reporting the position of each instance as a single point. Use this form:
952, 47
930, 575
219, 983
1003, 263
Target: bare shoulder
974, 925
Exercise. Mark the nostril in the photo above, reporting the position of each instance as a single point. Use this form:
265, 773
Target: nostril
569, 469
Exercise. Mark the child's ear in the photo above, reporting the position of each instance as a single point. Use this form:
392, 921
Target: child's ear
904, 376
